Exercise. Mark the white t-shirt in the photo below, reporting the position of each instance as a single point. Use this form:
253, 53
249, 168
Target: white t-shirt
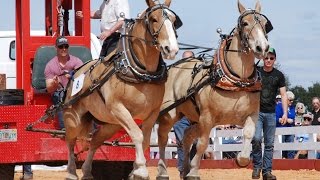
110, 11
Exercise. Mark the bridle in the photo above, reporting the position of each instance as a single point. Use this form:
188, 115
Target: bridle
155, 34
258, 18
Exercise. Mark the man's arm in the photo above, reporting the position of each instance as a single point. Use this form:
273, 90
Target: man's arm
52, 84
284, 100
105, 34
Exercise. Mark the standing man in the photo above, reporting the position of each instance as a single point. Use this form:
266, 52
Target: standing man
112, 14
272, 80
180, 126
57, 72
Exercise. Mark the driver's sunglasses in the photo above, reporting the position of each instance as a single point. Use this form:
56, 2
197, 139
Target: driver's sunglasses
271, 58
63, 46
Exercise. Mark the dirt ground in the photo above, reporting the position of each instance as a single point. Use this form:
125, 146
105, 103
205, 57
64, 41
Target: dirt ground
205, 174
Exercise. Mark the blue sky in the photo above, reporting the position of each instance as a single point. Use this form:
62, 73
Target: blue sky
295, 36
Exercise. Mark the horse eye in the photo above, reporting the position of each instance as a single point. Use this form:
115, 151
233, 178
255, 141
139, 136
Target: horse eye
244, 23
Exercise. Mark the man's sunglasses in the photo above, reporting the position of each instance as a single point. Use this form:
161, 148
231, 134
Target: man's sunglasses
308, 119
63, 46
271, 58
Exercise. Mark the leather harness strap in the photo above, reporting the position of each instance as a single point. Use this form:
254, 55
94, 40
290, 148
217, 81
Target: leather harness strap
228, 80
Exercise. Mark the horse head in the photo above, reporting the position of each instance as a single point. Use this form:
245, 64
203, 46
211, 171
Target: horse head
253, 28
161, 24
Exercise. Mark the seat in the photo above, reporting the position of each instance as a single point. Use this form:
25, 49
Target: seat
44, 54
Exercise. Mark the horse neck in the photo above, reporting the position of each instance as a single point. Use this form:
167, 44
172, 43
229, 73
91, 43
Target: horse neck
241, 63
147, 54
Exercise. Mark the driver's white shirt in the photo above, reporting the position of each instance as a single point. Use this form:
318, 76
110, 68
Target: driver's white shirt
110, 11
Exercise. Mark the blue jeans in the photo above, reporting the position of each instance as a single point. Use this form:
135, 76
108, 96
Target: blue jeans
179, 128
288, 139
266, 125
56, 98
27, 169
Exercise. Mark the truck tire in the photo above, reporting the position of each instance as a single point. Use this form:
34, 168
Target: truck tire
115, 170
11, 97
7, 171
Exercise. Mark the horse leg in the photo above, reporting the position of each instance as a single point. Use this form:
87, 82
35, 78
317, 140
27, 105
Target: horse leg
243, 157
71, 121
104, 132
204, 129
72, 174
165, 125
190, 135
124, 118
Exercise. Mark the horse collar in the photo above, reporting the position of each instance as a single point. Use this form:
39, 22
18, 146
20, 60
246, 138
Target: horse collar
130, 69
227, 78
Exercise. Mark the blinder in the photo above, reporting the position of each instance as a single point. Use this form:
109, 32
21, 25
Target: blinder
178, 23
268, 26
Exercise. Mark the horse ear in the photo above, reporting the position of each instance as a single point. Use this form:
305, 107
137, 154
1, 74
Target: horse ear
167, 3
258, 6
241, 7
150, 3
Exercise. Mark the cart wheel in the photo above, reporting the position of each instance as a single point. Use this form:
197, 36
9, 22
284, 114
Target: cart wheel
7, 171
115, 170
11, 97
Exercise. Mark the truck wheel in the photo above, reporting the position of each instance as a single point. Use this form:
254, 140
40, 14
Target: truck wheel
115, 170
7, 171
11, 97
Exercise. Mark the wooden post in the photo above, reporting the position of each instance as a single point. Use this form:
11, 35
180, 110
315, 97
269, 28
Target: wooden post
2, 81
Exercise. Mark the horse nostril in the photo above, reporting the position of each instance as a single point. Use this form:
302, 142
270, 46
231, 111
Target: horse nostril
259, 49
167, 49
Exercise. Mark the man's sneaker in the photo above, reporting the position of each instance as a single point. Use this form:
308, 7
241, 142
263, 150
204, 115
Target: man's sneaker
256, 173
26, 177
269, 176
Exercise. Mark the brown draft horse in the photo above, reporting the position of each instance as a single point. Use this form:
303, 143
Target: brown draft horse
130, 86
231, 95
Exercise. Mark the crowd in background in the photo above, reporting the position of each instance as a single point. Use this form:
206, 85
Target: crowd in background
298, 115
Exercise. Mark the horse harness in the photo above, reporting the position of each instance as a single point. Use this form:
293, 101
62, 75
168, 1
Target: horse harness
219, 75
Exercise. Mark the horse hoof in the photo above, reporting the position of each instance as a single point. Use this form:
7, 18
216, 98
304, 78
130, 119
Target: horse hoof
191, 178
242, 162
162, 177
71, 177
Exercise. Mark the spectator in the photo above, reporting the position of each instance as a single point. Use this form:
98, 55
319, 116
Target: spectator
300, 110
272, 80
112, 15
290, 123
278, 98
316, 111
316, 117
179, 128
58, 72
27, 172
307, 119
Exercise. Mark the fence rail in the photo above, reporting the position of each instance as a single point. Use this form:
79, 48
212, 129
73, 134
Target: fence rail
217, 148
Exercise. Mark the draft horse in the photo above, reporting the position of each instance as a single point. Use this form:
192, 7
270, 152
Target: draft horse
126, 85
226, 92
